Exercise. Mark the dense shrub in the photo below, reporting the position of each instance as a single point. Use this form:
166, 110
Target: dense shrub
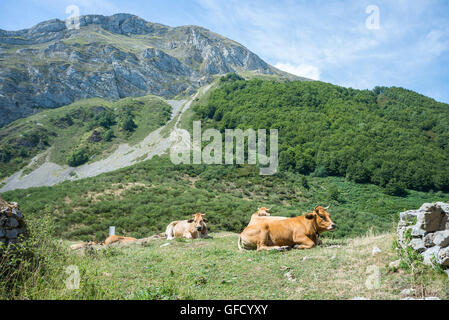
77, 158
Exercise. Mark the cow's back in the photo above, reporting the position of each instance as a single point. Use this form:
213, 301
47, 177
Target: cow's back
255, 219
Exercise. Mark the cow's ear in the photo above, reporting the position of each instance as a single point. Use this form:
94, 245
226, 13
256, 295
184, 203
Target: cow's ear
310, 216
190, 220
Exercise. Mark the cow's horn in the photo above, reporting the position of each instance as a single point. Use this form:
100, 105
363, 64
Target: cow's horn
269, 209
327, 208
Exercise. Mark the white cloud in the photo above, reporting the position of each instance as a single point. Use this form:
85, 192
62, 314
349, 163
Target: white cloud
302, 70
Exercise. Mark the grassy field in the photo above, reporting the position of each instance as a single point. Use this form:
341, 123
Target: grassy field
215, 269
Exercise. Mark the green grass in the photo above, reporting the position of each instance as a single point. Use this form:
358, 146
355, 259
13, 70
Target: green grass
215, 269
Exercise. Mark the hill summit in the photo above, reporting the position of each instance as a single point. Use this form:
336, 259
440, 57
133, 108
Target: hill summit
112, 57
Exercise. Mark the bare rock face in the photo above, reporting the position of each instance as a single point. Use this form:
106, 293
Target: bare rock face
426, 230
12, 223
113, 57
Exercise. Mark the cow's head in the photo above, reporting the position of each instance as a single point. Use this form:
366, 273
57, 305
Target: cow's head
322, 218
263, 212
198, 221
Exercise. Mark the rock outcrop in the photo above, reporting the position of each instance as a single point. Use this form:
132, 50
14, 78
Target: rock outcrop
48, 65
426, 230
12, 223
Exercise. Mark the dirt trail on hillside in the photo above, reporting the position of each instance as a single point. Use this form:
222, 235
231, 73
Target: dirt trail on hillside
49, 173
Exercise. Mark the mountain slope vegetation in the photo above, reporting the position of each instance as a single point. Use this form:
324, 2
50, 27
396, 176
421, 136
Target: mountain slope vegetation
391, 137
83, 131
143, 199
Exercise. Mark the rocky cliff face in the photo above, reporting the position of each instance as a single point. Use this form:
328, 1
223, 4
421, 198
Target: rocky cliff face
48, 66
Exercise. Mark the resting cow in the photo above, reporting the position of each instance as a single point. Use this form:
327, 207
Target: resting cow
193, 228
120, 239
263, 215
300, 232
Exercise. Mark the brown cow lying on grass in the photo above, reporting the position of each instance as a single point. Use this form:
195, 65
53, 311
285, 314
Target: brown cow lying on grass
263, 215
299, 233
108, 241
193, 228
113, 239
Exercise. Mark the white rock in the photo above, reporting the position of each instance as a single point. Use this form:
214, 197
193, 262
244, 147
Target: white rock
417, 231
164, 245
407, 292
428, 239
418, 245
429, 254
395, 264
376, 250
443, 257
441, 238
408, 216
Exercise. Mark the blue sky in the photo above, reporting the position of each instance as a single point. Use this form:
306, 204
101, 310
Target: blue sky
325, 40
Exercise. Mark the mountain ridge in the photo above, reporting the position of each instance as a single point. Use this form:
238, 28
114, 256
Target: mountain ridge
113, 57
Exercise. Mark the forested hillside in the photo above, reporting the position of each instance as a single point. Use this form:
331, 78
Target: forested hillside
391, 137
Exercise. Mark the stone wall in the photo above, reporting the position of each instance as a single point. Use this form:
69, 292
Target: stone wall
12, 223
429, 230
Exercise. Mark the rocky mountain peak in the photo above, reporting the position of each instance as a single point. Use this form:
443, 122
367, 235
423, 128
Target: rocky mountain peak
112, 57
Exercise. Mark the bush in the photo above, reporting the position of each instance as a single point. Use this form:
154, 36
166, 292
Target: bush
320, 172
128, 124
395, 188
108, 135
77, 158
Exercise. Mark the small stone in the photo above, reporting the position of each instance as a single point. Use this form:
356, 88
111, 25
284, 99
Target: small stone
164, 245
432, 298
407, 292
417, 231
375, 251
428, 240
417, 245
408, 216
429, 254
443, 206
395, 264
12, 234
12, 223
441, 238
17, 214
443, 257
